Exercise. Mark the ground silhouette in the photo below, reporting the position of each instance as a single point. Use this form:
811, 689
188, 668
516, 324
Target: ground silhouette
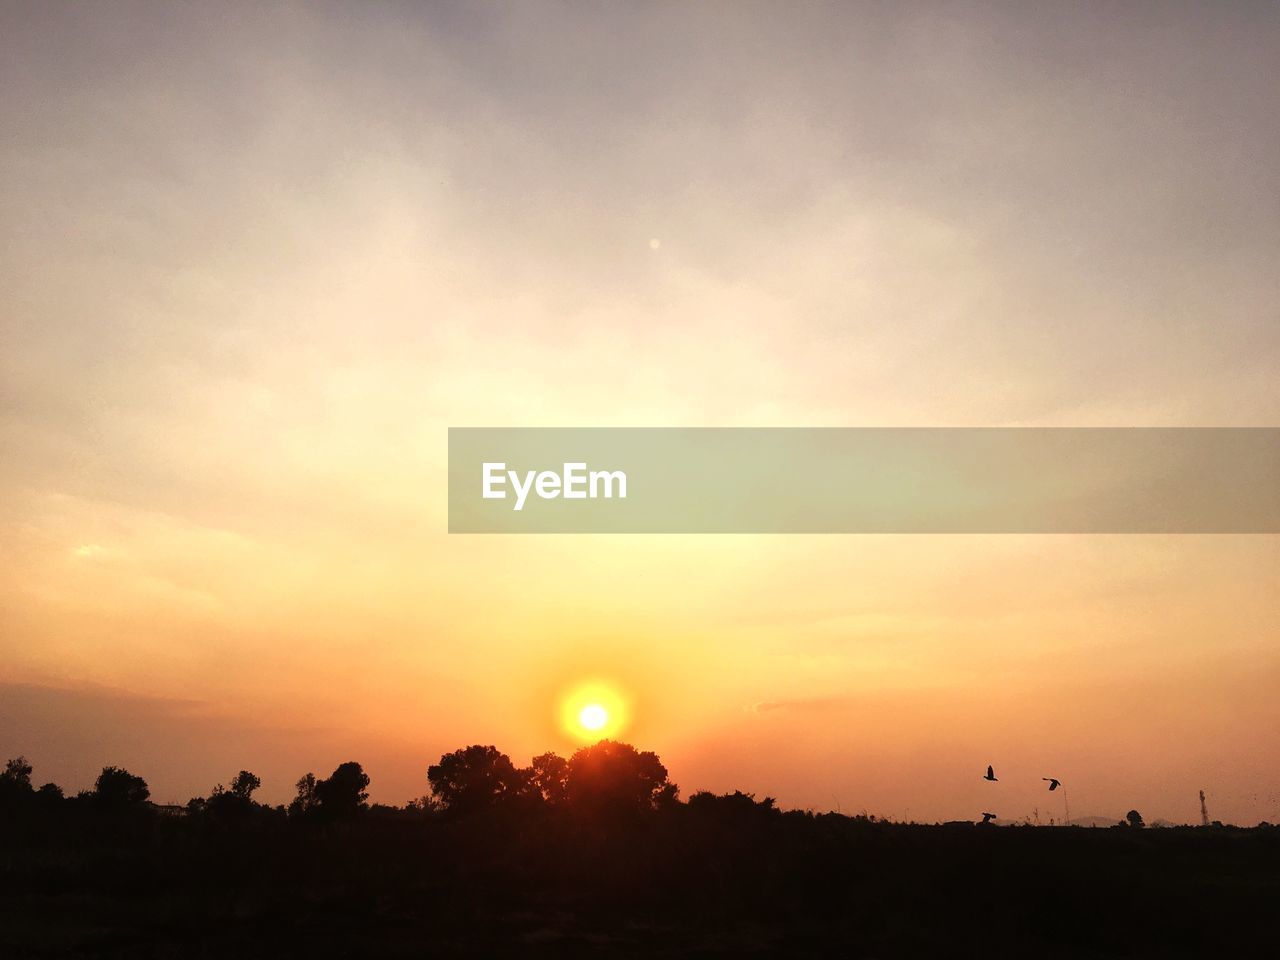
596, 855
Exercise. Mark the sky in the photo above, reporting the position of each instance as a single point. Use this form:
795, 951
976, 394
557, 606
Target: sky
257, 259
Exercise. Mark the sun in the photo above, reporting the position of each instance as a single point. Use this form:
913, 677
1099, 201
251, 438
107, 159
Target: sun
593, 716
594, 710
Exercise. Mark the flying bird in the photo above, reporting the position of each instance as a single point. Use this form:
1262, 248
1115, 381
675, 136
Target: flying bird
1054, 784
991, 774
988, 817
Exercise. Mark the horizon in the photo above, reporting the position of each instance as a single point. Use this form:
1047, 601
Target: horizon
681, 795
1054, 812
260, 260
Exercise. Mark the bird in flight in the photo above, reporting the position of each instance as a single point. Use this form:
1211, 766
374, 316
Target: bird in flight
991, 774
988, 817
1054, 783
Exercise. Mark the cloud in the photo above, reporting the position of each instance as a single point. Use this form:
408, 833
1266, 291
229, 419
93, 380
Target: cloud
800, 705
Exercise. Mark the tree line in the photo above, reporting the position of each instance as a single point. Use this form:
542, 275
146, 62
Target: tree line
607, 778
598, 847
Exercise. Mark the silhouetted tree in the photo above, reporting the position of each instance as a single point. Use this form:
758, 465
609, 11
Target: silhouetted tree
344, 792
473, 778
244, 784
229, 803
15, 782
547, 777
49, 796
17, 772
1134, 819
117, 789
305, 801
732, 806
425, 806
612, 776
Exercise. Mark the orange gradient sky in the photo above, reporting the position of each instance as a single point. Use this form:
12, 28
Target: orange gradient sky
256, 261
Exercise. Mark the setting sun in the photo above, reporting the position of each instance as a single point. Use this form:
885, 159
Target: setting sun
593, 711
593, 716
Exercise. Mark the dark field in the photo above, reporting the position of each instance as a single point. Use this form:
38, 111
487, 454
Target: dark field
717, 878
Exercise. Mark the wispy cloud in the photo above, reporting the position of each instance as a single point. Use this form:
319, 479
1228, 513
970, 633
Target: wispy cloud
800, 705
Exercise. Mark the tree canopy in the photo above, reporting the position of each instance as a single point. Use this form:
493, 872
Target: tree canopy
613, 776
117, 788
474, 778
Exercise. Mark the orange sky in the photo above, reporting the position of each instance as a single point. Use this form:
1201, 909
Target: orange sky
256, 265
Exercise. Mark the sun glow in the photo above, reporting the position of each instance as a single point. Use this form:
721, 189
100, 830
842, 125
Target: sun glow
593, 716
593, 711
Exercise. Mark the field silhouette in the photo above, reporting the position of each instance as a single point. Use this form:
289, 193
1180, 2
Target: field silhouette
597, 855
